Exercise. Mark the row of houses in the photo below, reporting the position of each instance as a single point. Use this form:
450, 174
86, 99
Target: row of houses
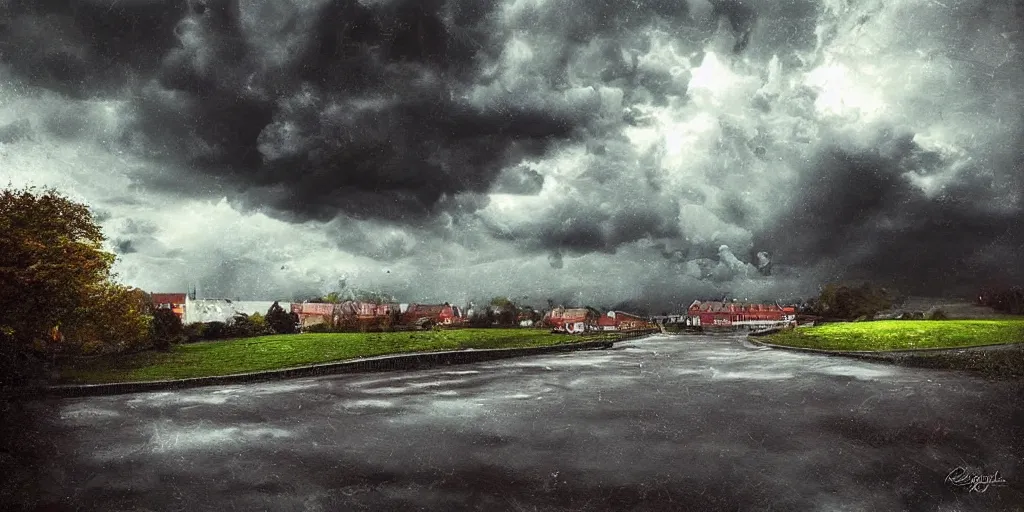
722, 314
580, 320
700, 314
310, 314
422, 315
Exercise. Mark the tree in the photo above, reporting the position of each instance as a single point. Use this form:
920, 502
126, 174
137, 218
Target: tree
842, 301
167, 329
280, 321
115, 318
505, 311
52, 265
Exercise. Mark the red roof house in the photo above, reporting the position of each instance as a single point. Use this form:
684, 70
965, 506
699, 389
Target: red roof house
572, 320
444, 314
716, 313
172, 301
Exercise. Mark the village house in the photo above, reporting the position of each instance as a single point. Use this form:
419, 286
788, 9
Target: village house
622, 321
172, 301
572, 321
724, 314
356, 313
438, 314
315, 313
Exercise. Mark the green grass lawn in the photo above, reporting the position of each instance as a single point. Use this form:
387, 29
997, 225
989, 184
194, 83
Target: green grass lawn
902, 334
284, 351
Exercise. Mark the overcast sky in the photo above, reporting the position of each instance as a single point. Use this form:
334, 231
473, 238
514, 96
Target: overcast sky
594, 150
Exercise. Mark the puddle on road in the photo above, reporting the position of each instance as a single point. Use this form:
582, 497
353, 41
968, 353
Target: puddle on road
171, 437
858, 372
86, 412
368, 404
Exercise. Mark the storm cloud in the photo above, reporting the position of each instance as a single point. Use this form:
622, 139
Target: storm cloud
520, 147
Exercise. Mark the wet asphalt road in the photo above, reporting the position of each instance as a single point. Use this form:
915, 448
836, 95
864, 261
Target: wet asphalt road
663, 423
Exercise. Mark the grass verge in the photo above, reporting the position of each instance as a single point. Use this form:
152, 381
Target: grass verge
902, 335
264, 353
998, 362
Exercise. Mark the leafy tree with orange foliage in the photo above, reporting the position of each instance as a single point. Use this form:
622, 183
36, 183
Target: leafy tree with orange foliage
56, 288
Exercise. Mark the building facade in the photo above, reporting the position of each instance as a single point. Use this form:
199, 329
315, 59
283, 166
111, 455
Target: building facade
712, 314
175, 302
572, 321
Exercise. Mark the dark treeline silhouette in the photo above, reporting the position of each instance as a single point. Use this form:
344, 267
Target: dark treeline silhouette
1008, 300
850, 301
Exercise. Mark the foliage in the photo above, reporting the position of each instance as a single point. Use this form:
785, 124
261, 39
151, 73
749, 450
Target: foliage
243, 326
320, 328
938, 314
56, 287
51, 265
281, 321
506, 312
194, 332
902, 334
215, 330
1005, 300
356, 294
259, 322
482, 317
167, 329
847, 302
282, 351
115, 318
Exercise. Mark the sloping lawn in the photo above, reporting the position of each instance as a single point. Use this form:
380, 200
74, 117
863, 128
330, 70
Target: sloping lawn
284, 351
902, 334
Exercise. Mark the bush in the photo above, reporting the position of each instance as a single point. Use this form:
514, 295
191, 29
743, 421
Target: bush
848, 302
938, 314
281, 321
166, 329
1006, 300
194, 332
319, 328
245, 326
215, 330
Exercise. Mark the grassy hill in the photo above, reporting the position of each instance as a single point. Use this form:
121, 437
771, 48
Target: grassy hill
903, 334
263, 353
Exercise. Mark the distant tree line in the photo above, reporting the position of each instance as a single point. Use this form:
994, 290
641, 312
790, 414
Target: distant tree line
1008, 300
850, 301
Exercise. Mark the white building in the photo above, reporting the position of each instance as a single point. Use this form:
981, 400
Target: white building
223, 310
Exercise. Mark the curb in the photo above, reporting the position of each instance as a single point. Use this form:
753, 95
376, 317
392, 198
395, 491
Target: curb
415, 361
878, 354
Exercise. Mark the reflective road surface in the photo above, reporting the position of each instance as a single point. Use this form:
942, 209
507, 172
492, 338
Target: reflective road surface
661, 423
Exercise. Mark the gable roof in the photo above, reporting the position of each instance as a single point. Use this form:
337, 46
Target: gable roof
425, 309
168, 298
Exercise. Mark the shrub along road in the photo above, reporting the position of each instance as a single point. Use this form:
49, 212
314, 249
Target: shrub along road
264, 353
661, 423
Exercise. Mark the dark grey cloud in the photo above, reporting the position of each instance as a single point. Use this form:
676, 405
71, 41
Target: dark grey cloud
16, 131
687, 136
362, 122
862, 210
86, 48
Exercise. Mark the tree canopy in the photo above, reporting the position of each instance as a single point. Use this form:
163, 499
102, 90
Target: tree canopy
850, 301
56, 284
